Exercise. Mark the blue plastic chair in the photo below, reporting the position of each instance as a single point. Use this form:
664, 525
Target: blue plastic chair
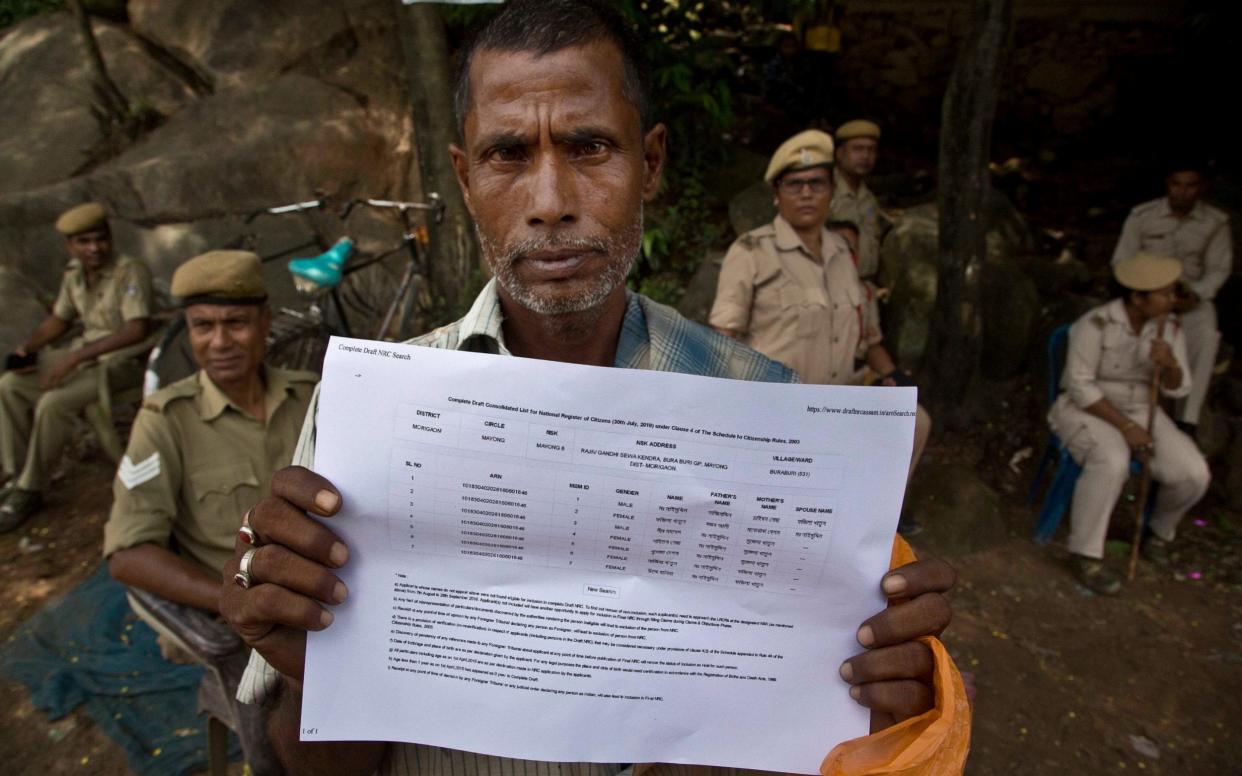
1065, 475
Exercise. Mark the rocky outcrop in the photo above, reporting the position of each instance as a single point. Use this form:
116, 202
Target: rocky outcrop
48, 132
263, 104
1009, 298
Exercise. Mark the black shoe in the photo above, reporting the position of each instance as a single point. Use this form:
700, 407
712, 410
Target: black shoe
1094, 575
18, 505
1155, 550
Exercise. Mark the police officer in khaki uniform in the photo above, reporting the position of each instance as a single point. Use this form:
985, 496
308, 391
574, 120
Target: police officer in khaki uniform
203, 449
856, 146
111, 298
789, 289
1101, 414
1184, 227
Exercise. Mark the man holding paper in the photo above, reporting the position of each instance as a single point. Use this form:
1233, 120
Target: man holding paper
559, 155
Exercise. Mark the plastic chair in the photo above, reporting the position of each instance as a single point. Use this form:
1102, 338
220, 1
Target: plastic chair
1066, 471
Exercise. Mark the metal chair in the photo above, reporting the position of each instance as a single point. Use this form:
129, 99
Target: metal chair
1066, 471
223, 654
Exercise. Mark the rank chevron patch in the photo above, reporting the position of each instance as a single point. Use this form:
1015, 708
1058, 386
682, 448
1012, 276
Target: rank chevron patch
133, 474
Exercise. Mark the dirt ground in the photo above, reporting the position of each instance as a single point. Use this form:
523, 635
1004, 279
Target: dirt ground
1067, 682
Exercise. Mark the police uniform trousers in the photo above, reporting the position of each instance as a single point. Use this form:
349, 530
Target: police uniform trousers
1101, 450
35, 425
1202, 343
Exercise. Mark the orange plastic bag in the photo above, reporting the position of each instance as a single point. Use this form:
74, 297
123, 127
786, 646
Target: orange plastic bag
932, 744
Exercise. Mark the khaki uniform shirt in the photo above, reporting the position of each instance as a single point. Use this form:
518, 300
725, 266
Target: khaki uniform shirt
863, 209
122, 292
1201, 241
802, 310
1105, 359
196, 463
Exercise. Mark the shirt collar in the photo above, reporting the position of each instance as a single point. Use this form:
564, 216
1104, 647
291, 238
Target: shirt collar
841, 187
1117, 312
483, 322
482, 325
652, 336
788, 240
212, 401
1196, 212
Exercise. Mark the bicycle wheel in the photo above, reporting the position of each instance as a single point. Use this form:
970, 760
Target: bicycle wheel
302, 348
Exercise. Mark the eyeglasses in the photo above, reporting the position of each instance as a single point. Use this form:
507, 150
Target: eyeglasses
796, 185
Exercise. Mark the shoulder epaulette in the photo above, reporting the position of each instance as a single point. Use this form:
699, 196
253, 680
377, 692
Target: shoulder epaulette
751, 239
1099, 320
184, 388
1215, 213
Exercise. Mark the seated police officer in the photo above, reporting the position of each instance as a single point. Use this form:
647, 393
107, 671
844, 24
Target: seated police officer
41, 392
204, 448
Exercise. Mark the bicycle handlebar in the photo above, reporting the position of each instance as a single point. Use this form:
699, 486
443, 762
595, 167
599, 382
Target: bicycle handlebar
435, 205
296, 207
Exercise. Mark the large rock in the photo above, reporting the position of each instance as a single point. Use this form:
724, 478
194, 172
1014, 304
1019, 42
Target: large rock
227, 154
1010, 305
751, 208
48, 131
241, 150
24, 306
236, 43
959, 511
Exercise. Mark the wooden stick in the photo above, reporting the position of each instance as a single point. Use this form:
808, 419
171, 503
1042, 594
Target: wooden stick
1153, 395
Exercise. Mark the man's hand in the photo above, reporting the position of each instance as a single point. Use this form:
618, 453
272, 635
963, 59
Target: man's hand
58, 372
893, 677
1162, 355
291, 571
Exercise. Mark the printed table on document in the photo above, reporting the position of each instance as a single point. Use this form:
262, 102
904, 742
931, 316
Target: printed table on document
631, 501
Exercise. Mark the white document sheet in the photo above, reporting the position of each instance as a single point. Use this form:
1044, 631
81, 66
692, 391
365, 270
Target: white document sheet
567, 563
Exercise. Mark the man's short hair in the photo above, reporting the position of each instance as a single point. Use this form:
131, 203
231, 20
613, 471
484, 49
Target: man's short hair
1174, 166
547, 26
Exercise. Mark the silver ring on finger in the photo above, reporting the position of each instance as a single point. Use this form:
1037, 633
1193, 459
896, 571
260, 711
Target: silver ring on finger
246, 533
248, 536
243, 576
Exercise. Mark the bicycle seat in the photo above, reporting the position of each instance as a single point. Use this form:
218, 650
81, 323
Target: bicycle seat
322, 271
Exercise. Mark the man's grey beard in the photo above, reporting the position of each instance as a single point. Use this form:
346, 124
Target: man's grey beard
619, 250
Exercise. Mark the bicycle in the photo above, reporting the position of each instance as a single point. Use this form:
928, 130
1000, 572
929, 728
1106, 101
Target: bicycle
298, 337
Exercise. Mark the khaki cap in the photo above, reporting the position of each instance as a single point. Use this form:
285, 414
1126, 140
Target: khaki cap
82, 218
220, 277
1147, 272
858, 128
810, 148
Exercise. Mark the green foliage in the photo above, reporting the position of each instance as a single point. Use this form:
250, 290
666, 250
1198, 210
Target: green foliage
13, 11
